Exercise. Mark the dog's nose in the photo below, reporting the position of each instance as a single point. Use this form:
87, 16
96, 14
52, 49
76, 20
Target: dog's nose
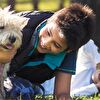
12, 39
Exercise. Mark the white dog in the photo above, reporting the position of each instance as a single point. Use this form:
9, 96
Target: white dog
10, 33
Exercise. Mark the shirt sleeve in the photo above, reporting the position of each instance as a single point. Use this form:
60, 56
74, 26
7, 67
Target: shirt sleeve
85, 90
69, 63
92, 53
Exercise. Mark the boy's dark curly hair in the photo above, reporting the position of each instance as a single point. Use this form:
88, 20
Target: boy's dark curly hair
77, 23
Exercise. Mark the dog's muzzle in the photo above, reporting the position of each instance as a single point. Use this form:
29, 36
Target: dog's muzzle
12, 39
10, 44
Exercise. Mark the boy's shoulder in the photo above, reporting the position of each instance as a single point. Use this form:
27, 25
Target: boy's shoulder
35, 17
34, 13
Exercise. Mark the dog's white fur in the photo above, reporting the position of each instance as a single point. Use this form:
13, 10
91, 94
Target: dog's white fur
11, 26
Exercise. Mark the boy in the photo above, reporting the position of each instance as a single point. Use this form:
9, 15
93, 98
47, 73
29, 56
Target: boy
52, 47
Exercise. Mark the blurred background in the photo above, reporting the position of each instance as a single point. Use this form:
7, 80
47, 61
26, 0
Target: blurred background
44, 5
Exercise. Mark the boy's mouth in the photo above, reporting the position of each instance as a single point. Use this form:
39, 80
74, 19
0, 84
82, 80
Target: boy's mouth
42, 43
41, 47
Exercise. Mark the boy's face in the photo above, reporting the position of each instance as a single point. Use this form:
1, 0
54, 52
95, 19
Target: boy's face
51, 40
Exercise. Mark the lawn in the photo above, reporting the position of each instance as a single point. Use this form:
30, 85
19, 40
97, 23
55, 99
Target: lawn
50, 97
52, 5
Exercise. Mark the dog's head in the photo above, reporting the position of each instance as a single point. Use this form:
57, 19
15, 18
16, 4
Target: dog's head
11, 26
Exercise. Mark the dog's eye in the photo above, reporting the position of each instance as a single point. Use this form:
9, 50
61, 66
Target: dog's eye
1, 27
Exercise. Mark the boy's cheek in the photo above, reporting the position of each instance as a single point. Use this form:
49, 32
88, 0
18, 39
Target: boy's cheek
42, 32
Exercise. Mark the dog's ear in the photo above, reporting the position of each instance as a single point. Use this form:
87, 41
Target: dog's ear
18, 22
22, 22
12, 19
7, 10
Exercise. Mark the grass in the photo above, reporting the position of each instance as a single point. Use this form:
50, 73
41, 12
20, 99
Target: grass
94, 97
50, 97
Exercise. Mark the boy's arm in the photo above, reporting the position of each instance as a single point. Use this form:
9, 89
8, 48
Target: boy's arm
85, 90
62, 86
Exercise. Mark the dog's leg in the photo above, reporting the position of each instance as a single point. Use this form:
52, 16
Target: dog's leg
3, 76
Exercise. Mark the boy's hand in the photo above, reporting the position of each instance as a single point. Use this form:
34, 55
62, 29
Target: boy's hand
6, 56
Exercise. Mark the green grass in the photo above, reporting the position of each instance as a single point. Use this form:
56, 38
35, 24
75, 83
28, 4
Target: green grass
50, 97
94, 97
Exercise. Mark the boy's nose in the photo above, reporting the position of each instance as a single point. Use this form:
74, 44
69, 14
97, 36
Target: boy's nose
47, 46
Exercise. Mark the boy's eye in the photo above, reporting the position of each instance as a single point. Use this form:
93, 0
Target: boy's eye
48, 33
57, 45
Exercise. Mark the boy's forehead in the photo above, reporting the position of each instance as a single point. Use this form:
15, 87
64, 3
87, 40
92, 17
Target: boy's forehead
57, 34
54, 26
